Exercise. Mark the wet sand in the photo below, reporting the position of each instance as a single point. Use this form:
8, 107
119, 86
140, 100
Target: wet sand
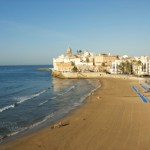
114, 118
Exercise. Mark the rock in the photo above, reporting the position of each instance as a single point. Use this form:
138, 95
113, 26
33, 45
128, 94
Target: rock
60, 124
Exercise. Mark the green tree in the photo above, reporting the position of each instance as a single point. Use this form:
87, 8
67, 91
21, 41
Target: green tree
103, 66
75, 69
121, 67
80, 51
87, 60
128, 67
144, 67
137, 64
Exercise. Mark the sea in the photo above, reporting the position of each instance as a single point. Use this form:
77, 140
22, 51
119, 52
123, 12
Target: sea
31, 98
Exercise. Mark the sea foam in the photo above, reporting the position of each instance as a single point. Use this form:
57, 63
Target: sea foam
68, 90
25, 98
7, 107
42, 103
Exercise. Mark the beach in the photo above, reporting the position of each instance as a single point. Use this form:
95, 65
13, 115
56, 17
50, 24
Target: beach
114, 117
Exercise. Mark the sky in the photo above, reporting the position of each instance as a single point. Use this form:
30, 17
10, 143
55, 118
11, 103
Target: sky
34, 31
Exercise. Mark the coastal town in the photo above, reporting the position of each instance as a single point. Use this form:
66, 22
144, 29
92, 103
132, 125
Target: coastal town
87, 62
74, 75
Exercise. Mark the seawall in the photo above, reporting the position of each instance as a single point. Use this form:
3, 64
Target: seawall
86, 75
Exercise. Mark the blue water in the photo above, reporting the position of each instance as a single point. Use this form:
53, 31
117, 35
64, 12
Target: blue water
30, 98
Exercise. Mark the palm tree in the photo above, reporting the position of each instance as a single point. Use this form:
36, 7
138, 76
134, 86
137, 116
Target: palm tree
137, 64
103, 66
121, 67
125, 67
128, 67
79, 51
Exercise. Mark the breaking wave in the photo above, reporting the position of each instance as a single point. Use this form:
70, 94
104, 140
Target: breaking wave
25, 98
42, 103
53, 98
22, 129
68, 90
21, 100
7, 107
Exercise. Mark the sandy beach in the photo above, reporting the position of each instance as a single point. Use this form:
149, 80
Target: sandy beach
113, 118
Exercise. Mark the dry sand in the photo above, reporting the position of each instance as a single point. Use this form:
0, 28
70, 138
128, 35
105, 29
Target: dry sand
114, 118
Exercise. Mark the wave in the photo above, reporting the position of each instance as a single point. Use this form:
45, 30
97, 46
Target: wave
53, 98
42, 103
7, 107
22, 129
88, 94
43, 120
25, 98
68, 90
21, 100
76, 104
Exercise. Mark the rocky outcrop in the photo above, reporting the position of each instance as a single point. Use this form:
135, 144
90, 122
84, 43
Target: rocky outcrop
88, 75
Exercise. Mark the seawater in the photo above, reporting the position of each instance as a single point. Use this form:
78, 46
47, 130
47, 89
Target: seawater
29, 98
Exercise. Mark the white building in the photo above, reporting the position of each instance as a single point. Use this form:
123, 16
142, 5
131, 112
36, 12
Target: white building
144, 67
115, 64
65, 63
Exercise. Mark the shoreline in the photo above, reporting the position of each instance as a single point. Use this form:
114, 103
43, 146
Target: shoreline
93, 124
6, 139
